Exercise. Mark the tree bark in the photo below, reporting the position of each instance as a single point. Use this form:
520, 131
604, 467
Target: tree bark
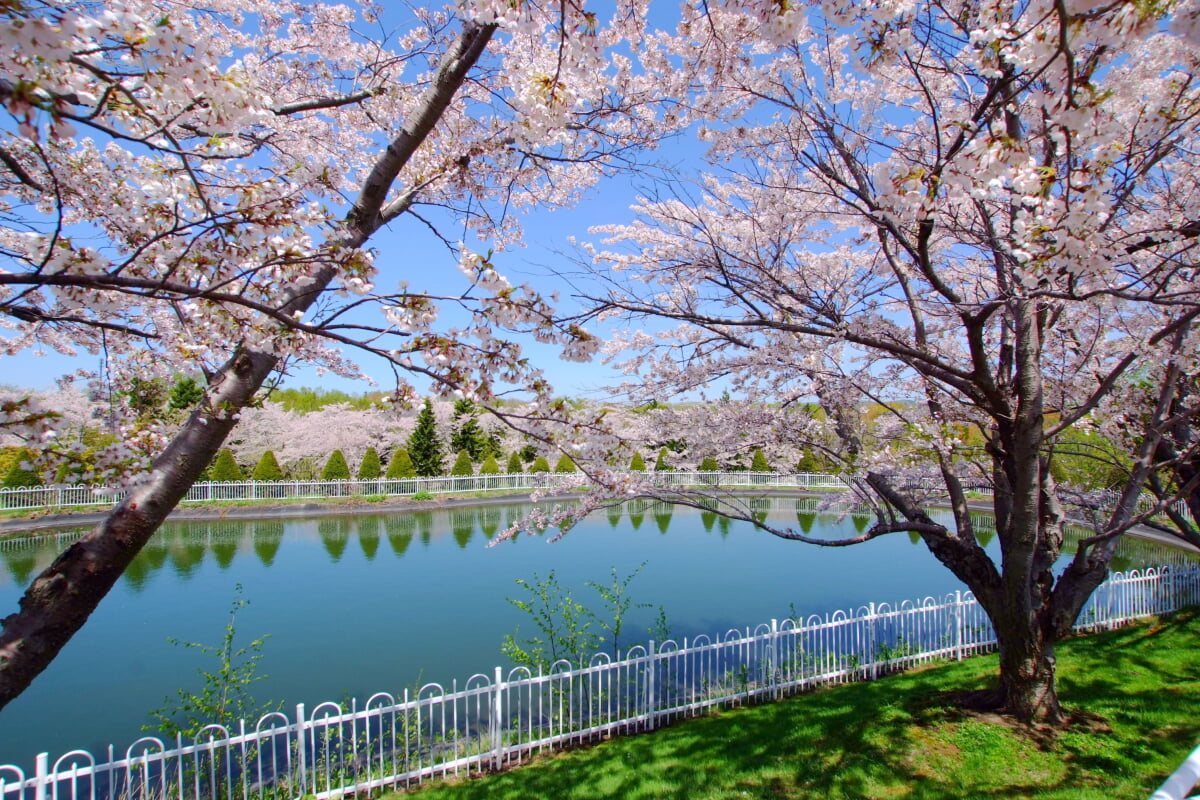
61, 598
1027, 688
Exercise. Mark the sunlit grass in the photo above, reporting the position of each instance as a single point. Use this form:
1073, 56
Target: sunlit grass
1134, 693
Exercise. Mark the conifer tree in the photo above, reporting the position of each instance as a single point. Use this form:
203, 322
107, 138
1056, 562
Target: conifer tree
661, 464
467, 433
226, 468
423, 446
759, 462
267, 468
637, 463
514, 464
336, 468
565, 464
489, 466
185, 394
401, 466
709, 464
540, 464
370, 468
462, 465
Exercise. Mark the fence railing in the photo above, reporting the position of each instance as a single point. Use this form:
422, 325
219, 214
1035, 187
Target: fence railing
66, 496
501, 718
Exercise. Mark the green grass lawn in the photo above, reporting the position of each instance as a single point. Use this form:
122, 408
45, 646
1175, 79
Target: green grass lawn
1135, 694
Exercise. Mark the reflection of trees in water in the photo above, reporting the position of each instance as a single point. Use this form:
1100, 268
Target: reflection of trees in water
368, 536
400, 528
185, 545
615, 514
335, 534
760, 507
662, 516
267, 536
489, 521
636, 510
424, 525
462, 525
20, 564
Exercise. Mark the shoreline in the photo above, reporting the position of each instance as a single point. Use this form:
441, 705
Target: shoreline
267, 510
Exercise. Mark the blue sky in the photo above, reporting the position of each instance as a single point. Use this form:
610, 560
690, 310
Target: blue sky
407, 251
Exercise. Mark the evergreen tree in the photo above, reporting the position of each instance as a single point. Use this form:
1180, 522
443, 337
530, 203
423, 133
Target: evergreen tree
514, 464
493, 444
423, 445
401, 466
759, 463
370, 468
336, 468
637, 463
565, 464
226, 468
267, 468
467, 433
709, 464
185, 394
540, 464
18, 477
661, 464
462, 465
811, 461
489, 466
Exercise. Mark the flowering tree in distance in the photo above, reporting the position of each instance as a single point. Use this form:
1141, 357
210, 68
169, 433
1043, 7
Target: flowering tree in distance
190, 188
976, 217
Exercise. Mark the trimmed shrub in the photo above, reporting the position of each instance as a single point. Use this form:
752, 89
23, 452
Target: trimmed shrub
225, 468
336, 468
565, 464
370, 468
489, 466
267, 468
514, 464
17, 477
540, 464
759, 463
462, 465
661, 464
400, 466
709, 464
637, 463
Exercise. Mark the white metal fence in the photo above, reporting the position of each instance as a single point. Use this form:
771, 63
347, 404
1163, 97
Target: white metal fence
499, 719
65, 496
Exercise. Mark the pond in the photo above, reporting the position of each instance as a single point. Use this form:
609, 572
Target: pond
356, 605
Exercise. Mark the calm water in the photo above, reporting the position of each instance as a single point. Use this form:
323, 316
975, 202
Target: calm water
356, 605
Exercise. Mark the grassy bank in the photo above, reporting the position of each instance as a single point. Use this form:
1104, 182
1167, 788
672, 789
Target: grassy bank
1134, 693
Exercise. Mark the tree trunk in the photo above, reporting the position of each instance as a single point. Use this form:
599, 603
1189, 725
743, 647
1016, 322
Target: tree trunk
61, 599
1027, 688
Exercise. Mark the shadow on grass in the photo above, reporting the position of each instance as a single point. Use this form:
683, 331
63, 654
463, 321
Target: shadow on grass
897, 737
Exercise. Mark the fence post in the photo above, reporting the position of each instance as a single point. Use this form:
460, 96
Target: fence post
301, 757
43, 776
651, 701
872, 653
958, 626
497, 716
775, 677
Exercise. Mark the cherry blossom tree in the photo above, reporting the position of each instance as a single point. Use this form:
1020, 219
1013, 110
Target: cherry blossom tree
977, 218
190, 187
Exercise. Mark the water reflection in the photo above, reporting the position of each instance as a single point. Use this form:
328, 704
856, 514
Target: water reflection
184, 547
349, 615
